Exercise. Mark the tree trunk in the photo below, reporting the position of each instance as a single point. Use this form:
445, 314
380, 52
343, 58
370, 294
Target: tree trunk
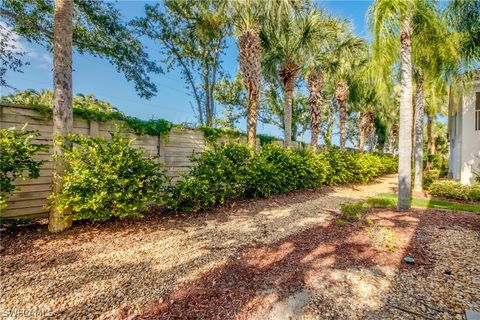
362, 131
288, 74
406, 117
316, 114
249, 47
287, 139
342, 124
419, 115
252, 122
315, 84
341, 95
62, 104
430, 150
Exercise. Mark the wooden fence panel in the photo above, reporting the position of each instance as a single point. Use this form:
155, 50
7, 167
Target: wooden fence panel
30, 198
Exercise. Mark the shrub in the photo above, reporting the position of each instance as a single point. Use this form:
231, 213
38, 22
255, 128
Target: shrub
352, 211
219, 174
107, 179
350, 167
430, 176
16, 158
455, 190
231, 171
474, 192
279, 170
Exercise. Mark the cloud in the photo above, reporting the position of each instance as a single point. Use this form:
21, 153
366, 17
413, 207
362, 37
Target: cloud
10, 40
38, 57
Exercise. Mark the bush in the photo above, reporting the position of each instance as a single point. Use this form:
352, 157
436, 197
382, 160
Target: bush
16, 158
430, 176
107, 179
232, 171
279, 170
351, 167
352, 211
455, 190
218, 175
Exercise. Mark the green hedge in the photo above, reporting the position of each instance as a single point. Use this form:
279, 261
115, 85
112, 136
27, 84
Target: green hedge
108, 179
455, 190
232, 171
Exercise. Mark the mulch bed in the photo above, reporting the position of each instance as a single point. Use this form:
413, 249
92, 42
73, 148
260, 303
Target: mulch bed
246, 282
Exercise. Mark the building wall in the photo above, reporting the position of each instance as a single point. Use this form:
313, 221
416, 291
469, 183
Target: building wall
470, 138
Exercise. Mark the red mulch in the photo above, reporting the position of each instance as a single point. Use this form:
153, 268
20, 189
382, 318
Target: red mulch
244, 284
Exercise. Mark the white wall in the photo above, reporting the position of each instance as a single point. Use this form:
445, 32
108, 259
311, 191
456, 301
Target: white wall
470, 138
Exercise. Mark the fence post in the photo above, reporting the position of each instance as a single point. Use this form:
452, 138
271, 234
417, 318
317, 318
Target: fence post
94, 131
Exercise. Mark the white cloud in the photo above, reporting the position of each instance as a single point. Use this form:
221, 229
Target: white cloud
40, 57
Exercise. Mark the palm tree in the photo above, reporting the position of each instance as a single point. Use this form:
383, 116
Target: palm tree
315, 100
367, 99
62, 103
392, 22
314, 73
248, 18
435, 59
436, 98
345, 59
286, 42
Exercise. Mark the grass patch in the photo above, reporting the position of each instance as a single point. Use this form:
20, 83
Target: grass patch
383, 236
352, 211
427, 203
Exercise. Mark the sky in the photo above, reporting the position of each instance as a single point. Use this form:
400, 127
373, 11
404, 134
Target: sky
173, 101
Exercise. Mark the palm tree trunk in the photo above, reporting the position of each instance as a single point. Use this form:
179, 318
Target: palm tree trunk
249, 47
429, 140
288, 74
62, 104
342, 109
362, 131
316, 115
252, 121
406, 117
315, 84
419, 115
288, 118
341, 95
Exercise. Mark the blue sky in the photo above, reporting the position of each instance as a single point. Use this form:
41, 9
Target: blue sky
97, 76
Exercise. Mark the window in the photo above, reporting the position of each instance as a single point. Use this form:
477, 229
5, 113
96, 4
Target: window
477, 111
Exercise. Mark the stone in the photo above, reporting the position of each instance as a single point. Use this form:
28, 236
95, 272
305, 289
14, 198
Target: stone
472, 315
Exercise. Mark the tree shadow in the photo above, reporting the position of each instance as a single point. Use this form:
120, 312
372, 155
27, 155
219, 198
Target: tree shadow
260, 275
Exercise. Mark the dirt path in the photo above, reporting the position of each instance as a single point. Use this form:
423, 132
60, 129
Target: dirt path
91, 271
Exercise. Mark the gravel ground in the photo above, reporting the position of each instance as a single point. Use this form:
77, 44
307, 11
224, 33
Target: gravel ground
90, 271
279, 258
332, 271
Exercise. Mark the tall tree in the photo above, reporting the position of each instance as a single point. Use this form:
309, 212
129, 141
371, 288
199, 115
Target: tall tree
92, 27
286, 41
346, 58
464, 17
435, 59
392, 25
192, 36
314, 70
62, 104
247, 17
